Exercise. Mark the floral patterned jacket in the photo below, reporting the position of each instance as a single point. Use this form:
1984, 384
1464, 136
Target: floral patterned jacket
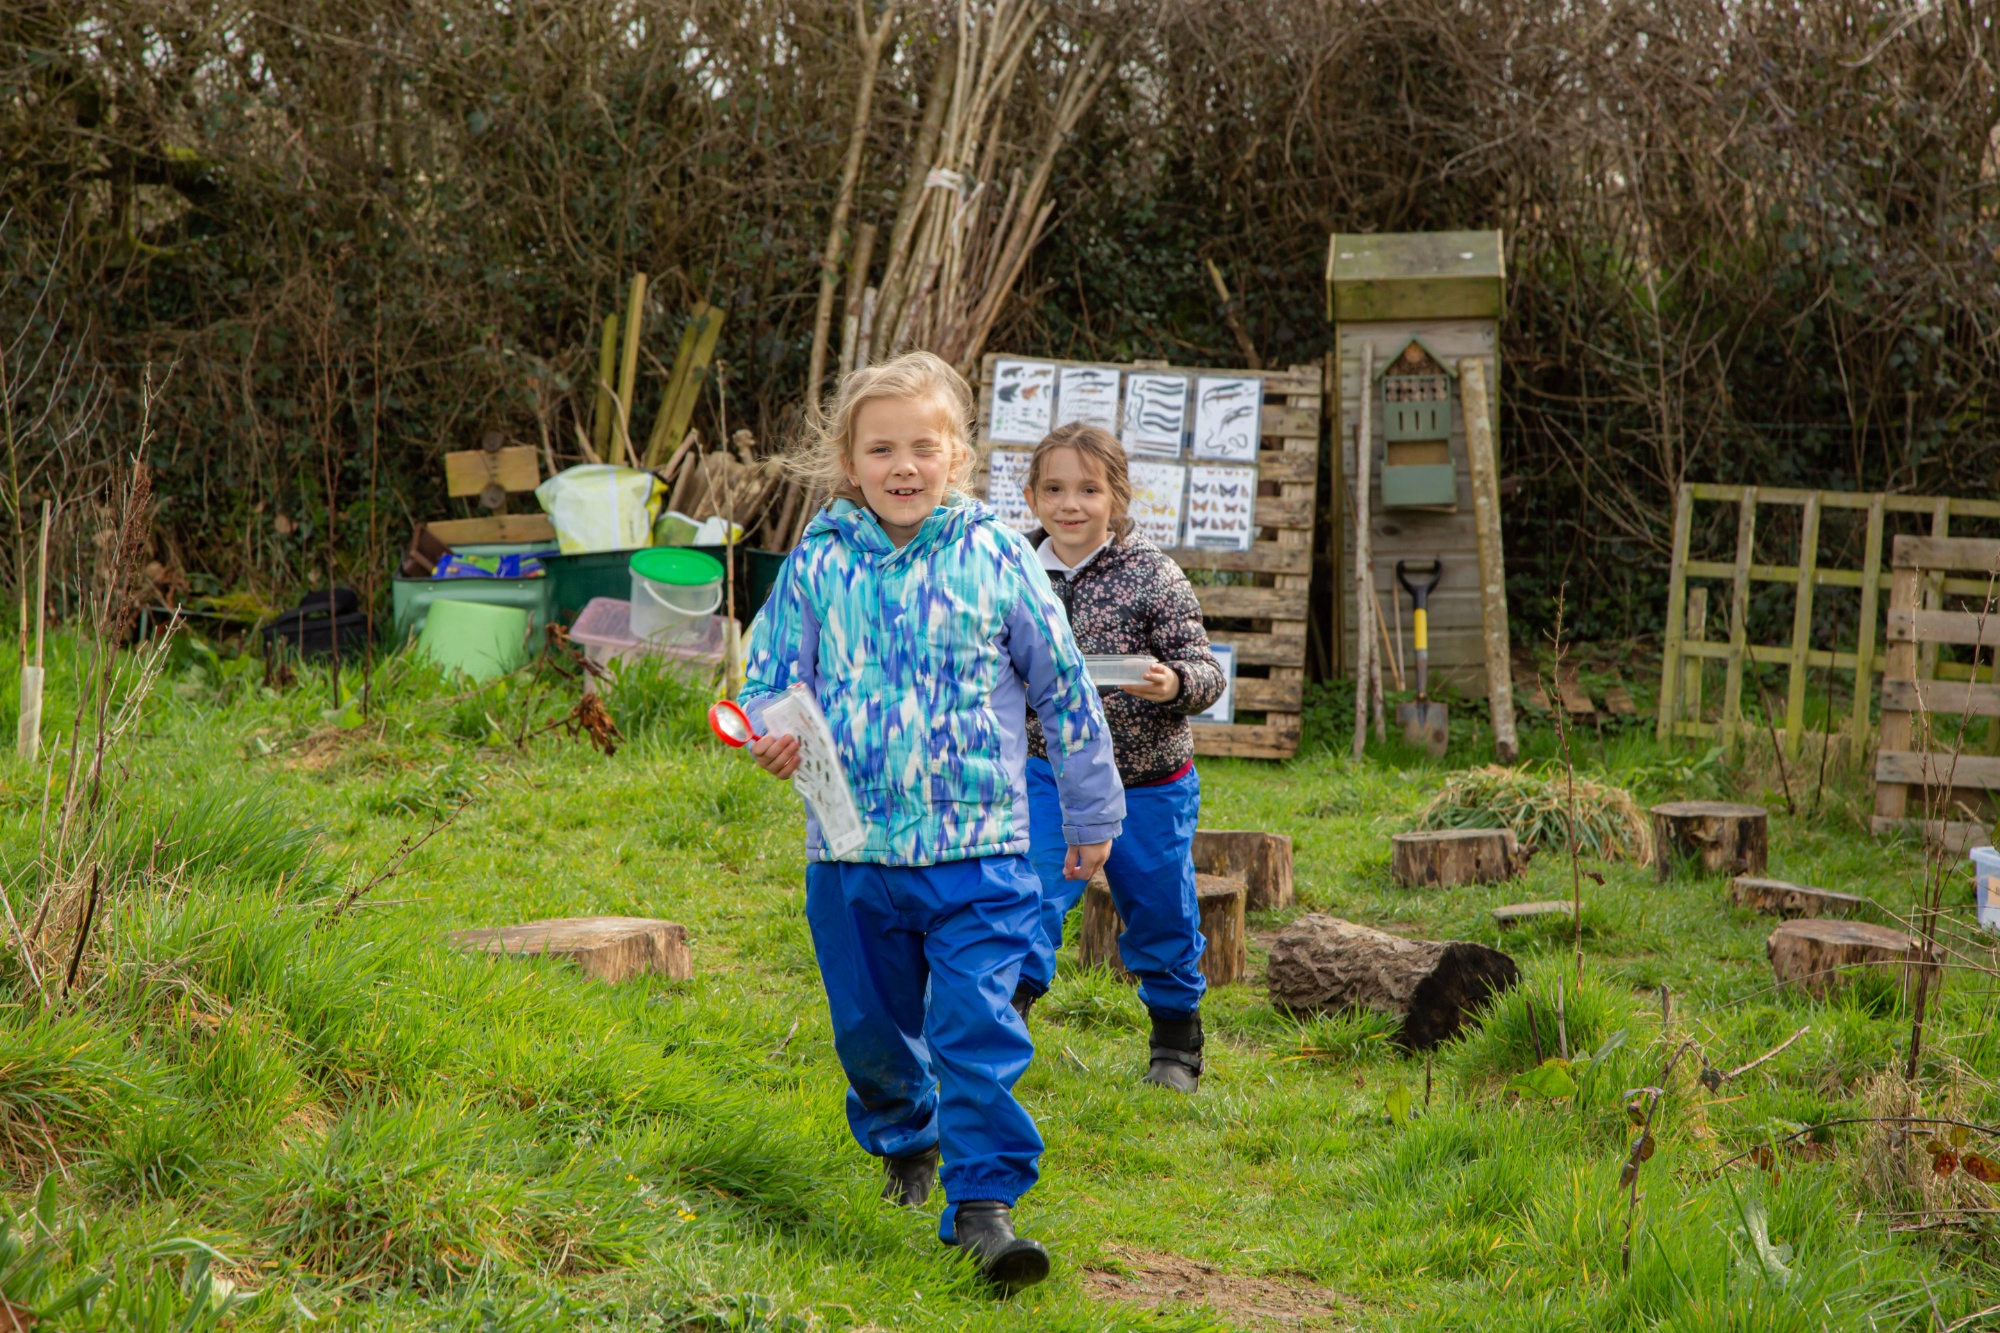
1131, 598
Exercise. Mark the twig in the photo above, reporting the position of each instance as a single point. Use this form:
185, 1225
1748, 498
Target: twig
790, 1032
1562, 1025
1534, 1032
404, 851
83, 931
1642, 1150
1971, 1319
1741, 1070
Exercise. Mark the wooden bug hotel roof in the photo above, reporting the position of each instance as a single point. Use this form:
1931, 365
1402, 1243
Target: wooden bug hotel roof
1415, 275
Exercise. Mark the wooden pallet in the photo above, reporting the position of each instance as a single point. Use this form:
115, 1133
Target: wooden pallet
1264, 619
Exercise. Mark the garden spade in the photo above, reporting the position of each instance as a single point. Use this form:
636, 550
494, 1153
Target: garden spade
1424, 720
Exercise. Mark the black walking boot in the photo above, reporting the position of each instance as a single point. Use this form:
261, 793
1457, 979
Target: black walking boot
985, 1230
911, 1178
1176, 1051
1024, 999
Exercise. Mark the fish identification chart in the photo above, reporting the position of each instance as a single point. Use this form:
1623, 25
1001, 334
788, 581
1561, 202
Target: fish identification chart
1024, 394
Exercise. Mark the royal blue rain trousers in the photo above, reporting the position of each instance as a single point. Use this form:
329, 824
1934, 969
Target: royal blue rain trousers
942, 1076
1151, 873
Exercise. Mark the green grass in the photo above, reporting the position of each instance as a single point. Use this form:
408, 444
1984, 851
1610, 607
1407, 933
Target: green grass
366, 1129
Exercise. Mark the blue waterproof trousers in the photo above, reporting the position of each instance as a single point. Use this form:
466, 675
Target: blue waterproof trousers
943, 1075
1151, 873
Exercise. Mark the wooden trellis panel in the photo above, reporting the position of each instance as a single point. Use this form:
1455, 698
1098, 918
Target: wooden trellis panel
1684, 654
1264, 619
1914, 760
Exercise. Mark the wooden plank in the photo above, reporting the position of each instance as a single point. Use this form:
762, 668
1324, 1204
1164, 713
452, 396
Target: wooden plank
1283, 465
1927, 653
1802, 608
1900, 504
1892, 798
1278, 511
1936, 696
1272, 740
1739, 614
1284, 645
1252, 603
1261, 558
1932, 627
1287, 420
1483, 465
1860, 726
515, 468
1951, 553
1932, 769
1576, 700
1515, 913
494, 530
1692, 667
1260, 696
1618, 701
1677, 568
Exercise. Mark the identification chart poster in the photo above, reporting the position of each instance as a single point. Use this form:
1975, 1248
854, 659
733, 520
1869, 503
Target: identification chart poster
1223, 710
1156, 409
1227, 414
1023, 401
1158, 490
1088, 394
820, 779
1221, 507
1006, 480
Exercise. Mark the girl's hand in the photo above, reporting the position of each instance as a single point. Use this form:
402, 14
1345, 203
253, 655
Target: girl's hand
776, 755
1162, 684
1085, 860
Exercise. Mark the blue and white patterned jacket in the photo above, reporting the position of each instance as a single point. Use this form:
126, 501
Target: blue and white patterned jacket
924, 660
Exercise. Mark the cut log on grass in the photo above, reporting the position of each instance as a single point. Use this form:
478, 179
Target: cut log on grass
1776, 897
1513, 914
1709, 838
1224, 962
607, 948
1456, 856
1436, 987
1263, 861
1817, 955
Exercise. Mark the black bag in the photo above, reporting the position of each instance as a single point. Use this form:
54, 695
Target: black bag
308, 629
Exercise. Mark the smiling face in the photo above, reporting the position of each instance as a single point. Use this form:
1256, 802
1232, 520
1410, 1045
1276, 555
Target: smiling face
1074, 503
900, 461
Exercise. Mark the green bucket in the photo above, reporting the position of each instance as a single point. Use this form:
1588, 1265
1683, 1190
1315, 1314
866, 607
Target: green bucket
477, 638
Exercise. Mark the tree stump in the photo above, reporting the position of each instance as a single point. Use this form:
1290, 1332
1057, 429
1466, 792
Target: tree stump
1456, 856
1723, 838
1435, 987
1224, 961
608, 948
1775, 897
1814, 954
1263, 861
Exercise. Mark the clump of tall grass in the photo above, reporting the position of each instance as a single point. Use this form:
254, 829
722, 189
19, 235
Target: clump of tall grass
236, 840
1610, 825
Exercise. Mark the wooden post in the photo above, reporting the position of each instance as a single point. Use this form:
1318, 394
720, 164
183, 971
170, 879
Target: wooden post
1802, 608
1694, 668
622, 448
1364, 573
607, 402
1337, 658
1676, 601
1900, 663
1263, 861
1864, 648
1721, 837
1739, 615
1492, 559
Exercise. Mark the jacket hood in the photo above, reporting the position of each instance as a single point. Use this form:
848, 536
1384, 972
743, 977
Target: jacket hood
856, 525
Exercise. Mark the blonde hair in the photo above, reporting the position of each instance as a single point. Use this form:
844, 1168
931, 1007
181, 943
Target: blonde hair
1095, 445
822, 464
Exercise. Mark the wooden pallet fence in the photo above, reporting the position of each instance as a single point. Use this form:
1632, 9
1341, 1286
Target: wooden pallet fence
1264, 617
1685, 652
1953, 788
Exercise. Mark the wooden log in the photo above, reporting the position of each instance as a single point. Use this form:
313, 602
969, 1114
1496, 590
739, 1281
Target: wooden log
1263, 861
608, 948
1719, 837
1456, 856
1816, 955
1777, 897
1436, 987
1225, 960
1515, 913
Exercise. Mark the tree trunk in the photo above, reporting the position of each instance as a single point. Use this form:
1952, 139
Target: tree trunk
1263, 861
1814, 955
1456, 856
1435, 987
1224, 962
1775, 897
607, 948
1720, 837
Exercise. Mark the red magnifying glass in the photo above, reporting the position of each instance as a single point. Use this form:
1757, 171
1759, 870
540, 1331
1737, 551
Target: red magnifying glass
731, 724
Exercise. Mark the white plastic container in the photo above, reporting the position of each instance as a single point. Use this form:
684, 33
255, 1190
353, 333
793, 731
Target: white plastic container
1985, 869
674, 590
1111, 670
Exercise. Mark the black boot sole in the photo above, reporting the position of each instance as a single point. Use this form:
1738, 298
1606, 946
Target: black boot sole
1021, 1264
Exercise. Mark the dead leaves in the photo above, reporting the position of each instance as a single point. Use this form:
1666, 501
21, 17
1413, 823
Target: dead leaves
1948, 1156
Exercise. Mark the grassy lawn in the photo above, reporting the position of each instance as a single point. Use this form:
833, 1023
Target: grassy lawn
365, 1129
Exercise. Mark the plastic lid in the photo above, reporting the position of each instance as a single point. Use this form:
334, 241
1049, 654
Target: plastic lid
676, 565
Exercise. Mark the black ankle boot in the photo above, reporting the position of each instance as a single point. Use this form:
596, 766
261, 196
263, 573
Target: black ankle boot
1176, 1051
1024, 999
911, 1178
985, 1230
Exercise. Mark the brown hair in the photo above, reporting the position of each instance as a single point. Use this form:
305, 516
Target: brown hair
822, 464
1097, 446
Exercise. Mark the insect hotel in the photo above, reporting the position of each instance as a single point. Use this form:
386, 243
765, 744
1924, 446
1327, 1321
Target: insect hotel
1417, 329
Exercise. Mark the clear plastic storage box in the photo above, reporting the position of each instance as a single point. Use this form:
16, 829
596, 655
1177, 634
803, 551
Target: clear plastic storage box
1111, 670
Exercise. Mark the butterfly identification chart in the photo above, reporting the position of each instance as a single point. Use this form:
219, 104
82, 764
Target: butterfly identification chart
1023, 401
1158, 490
1227, 413
1088, 395
1221, 507
820, 779
1156, 412
1006, 488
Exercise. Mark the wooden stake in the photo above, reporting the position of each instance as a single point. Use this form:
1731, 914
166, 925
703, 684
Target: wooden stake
1492, 559
1364, 580
607, 366
628, 370
42, 584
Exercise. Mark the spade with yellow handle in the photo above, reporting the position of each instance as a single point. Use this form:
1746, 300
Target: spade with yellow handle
1423, 721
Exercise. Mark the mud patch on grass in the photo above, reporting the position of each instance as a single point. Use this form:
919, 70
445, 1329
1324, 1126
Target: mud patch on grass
1155, 1281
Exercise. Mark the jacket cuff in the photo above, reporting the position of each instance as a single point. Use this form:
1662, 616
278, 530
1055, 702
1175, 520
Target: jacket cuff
1083, 835
1179, 703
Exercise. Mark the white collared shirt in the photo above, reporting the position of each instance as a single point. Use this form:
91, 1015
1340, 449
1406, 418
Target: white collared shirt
1053, 562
